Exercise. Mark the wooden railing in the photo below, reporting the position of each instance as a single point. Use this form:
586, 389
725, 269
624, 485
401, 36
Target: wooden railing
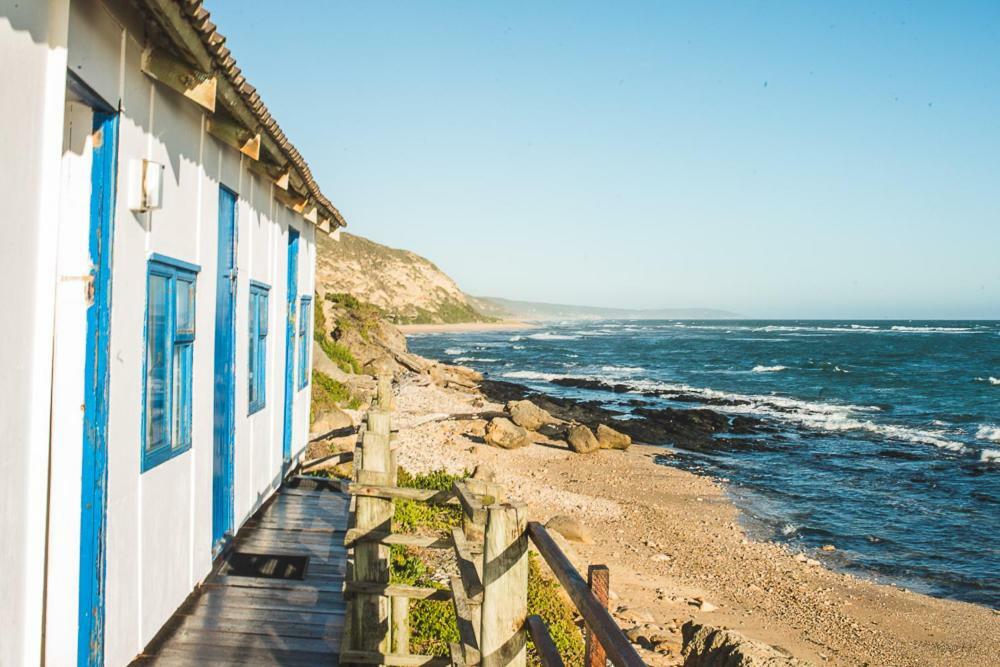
490, 592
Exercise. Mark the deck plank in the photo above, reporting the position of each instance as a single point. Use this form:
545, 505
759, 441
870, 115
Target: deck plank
241, 620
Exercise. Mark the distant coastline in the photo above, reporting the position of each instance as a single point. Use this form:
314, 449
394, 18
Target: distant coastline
465, 327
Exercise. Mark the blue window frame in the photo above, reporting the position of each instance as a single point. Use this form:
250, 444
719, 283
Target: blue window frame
170, 329
258, 345
305, 304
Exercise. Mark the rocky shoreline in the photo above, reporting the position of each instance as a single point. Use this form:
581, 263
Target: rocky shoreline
687, 580
684, 573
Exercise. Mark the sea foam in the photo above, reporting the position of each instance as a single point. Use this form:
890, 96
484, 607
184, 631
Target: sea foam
768, 369
988, 432
547, 335
990, 456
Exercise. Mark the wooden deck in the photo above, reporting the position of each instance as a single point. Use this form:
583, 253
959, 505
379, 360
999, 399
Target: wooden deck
243, 620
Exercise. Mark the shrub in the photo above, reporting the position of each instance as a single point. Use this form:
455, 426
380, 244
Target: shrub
545, 600
328, 393
410, 515
340, 355
433, 624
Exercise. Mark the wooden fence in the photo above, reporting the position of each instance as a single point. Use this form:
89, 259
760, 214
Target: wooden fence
489, 594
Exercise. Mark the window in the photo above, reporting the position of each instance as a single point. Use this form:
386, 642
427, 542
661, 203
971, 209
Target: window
170, 318
305, 305
258, 345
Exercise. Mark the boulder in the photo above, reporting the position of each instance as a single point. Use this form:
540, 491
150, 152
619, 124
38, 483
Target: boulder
570, 528
329, 421
708, 646
528, 415
608, 438
382, 364
581, 439
502, 432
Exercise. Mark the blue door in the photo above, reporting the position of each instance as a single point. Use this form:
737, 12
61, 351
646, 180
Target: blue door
225, 372
93, 501
290, 329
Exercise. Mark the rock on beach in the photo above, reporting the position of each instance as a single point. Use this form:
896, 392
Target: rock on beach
581, 439
609, 438
528, 415
502, 432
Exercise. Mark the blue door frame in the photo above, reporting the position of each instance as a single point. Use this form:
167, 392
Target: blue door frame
225, 372
290, 332
94, 474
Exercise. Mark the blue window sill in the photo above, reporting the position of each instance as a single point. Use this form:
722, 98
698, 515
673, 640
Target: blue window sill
154, 458
255, 408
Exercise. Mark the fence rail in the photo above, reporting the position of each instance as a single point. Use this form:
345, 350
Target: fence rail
490, 592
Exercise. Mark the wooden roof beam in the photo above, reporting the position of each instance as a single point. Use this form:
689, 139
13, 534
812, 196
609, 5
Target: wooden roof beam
198, 86
244, 140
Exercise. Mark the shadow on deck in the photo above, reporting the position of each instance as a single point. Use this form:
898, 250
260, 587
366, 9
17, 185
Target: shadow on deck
264, 620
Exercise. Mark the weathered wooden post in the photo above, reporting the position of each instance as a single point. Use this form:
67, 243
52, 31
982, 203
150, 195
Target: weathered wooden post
369, 624
383, 392
598, 578
401, 625
505, 586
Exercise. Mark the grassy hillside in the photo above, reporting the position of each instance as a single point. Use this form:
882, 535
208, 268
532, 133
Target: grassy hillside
406, 287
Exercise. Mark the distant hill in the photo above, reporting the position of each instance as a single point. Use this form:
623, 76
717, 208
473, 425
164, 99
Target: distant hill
407, 287
411, 289
529, 310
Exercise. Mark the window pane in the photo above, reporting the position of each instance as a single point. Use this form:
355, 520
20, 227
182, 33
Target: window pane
262, 315
157, 370
182, 408
252, 359
185, 306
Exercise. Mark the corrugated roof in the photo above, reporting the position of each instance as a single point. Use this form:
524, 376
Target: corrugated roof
193, 13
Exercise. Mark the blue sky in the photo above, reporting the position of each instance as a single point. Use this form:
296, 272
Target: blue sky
778, 159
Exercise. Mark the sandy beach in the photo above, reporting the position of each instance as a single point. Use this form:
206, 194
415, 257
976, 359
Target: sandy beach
465, 327
677, 551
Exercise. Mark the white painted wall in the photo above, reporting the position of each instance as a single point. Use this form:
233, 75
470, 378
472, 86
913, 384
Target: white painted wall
159, 522
32, 93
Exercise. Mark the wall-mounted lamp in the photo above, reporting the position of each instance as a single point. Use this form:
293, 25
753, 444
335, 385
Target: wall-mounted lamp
145, 190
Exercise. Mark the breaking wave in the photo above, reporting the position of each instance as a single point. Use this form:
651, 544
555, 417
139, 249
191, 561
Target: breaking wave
768, 369
988, 432
547, 335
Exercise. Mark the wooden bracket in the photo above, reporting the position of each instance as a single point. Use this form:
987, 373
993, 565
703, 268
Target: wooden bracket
267, 169
311, 213
324, 225
195, 85
291, 199
244, 140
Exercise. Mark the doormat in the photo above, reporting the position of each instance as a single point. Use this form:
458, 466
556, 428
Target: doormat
265, 566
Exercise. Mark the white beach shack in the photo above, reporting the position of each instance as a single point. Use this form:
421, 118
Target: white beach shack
157, 256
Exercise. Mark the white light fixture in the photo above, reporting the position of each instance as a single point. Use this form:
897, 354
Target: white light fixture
145, 190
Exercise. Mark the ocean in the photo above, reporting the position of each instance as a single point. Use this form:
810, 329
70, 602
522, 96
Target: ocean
887, 434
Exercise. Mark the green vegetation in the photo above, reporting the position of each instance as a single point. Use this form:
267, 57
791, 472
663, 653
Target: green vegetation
546, 600
328, 393
450, 311
337, 353
340, 355
432, 622
433, 625
358, 315
411, 515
